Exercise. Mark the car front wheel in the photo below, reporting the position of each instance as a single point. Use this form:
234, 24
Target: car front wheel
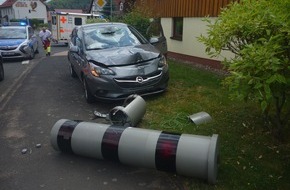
36, 51
72, 71
88, 95
1, 72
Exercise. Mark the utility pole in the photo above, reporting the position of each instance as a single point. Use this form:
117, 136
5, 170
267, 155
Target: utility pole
111, 9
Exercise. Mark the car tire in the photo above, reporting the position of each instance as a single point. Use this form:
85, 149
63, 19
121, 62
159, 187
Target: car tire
36, 51
72, 72
1, 72
88, 95
32, 54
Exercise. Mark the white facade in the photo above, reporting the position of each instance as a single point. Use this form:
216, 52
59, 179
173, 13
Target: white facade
192, 28
7, 14
31, 9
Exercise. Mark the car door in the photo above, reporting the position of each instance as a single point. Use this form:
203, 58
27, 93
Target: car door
77, 58
72, 42
72, 55
81, 55
156, 35
1, 69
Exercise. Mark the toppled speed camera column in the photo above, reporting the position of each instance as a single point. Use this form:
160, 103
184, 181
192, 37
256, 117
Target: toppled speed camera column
132, 111
184, 154
129, 114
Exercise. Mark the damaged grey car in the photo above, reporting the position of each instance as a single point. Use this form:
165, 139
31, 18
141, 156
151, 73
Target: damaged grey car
113, 61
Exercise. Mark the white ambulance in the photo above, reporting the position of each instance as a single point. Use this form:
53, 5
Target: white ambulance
62, 24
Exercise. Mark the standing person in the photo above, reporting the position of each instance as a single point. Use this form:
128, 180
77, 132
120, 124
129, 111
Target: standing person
45, 36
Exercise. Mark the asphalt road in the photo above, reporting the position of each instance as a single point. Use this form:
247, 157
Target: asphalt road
34, 96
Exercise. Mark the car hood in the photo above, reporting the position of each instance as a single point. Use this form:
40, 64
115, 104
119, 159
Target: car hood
11, 42
124, 55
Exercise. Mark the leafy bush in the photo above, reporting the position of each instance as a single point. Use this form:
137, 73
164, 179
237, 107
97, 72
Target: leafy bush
43, 25
95, 20
134, 16
258, 33
138, 20
35, 23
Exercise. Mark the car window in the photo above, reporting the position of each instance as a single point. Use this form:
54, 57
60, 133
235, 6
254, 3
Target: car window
78, 40
104, 37
73, 36
53, 20
141, 38
13, 33
155, 29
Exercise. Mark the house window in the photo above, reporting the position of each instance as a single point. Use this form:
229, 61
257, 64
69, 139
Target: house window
78, 21
177, 28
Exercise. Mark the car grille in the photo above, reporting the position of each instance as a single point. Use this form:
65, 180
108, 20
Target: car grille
11, 55
139, 81
7, 48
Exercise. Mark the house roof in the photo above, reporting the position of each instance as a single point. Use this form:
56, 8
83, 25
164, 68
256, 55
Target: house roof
7, 3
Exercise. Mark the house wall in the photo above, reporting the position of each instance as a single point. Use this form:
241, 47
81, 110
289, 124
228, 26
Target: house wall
192, 29
31, 9
7, 14
192, 12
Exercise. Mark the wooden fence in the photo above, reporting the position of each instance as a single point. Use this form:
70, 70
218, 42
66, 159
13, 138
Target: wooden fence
184, 8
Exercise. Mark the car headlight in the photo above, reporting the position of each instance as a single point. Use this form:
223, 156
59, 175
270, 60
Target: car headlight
25, 44
162, 61
24, 47
97, 71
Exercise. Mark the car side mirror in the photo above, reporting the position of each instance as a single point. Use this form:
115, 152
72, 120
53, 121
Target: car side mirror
74, 49
153, 40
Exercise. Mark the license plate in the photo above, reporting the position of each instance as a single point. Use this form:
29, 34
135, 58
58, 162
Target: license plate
8, 53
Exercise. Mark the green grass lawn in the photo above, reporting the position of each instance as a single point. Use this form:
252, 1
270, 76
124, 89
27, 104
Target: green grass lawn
250, 157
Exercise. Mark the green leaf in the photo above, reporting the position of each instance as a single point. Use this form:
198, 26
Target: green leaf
264, 105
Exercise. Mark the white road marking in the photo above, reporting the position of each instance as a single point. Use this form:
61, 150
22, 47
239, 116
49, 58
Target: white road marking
25, 62
63, 53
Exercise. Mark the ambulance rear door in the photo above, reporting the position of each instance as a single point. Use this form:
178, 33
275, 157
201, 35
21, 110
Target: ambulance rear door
67, 24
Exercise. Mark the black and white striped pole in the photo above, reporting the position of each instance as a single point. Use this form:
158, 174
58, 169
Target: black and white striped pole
184, 154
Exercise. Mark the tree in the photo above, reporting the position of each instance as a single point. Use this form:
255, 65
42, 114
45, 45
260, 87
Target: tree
258, 33
139, 20
107, 8
69, 4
